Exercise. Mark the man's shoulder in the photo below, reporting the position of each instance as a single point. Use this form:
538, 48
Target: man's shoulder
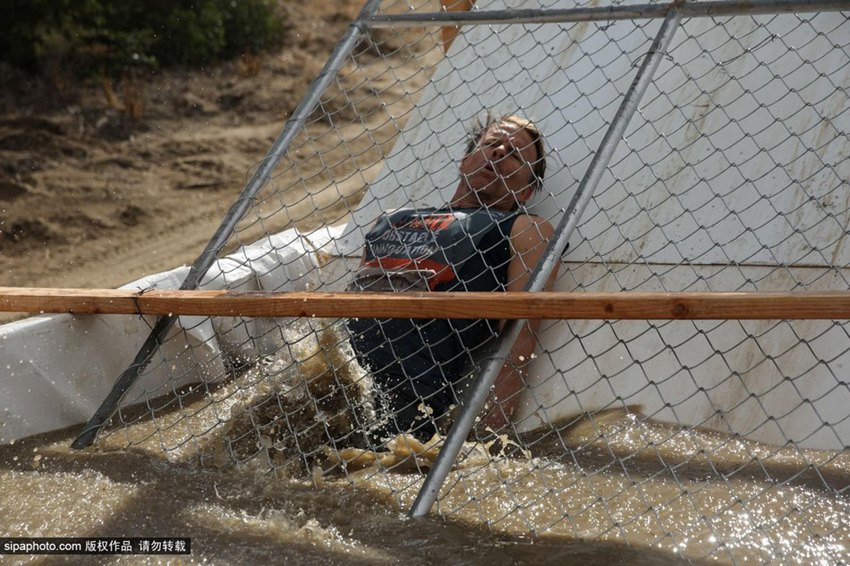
529, 230
525, 221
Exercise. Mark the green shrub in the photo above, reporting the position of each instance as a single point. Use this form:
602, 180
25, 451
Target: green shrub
112, 37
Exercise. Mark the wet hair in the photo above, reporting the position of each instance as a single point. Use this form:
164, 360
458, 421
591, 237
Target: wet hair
480, 127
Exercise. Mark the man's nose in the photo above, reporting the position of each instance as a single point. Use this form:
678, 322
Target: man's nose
498, 151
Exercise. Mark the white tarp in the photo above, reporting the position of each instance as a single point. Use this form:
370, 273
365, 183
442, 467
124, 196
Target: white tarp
570, 79
59, 368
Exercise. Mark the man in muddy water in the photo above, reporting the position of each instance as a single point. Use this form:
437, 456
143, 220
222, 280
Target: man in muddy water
482, 240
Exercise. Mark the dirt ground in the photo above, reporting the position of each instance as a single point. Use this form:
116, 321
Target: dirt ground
90, 198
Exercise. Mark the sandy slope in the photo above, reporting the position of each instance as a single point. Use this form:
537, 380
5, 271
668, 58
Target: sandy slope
89, 199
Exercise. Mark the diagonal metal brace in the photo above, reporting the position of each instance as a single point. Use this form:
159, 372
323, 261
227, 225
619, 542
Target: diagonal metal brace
259, 180
499, 353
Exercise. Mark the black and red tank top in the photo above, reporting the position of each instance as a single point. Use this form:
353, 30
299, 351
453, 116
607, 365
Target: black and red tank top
437, 250
432, 249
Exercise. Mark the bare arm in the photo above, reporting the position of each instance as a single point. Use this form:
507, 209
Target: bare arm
529, 237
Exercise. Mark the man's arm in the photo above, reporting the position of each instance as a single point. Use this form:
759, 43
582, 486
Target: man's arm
529, 237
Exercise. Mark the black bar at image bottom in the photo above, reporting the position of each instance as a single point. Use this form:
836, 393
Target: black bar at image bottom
95, 545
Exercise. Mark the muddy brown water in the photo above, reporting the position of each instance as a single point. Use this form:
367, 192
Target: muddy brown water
612, 487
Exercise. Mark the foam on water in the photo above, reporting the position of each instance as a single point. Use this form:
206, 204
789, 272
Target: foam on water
614, 486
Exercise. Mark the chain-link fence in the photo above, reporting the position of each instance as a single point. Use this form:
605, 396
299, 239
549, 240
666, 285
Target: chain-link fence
716, 439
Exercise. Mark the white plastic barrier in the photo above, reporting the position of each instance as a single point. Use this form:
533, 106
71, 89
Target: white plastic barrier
720, 185
58, 368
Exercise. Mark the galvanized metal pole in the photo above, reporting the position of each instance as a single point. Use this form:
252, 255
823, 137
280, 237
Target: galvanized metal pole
711, 8
201, 265
495, 361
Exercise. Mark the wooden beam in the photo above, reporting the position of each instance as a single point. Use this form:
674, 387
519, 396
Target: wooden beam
834, 305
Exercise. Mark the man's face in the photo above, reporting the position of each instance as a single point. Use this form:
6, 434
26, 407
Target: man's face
498, 170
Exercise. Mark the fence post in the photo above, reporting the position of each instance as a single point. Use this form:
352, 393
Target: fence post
234, 215
494, 362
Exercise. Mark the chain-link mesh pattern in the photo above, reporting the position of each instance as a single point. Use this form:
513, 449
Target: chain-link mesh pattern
719, 439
